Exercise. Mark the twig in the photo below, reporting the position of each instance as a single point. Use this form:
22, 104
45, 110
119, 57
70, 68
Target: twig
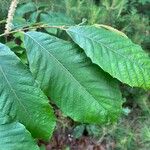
34, 27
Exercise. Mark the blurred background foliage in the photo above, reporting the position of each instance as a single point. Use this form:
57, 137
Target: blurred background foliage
130, 16
132, 131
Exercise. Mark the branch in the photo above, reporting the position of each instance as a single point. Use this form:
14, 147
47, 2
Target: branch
34, 27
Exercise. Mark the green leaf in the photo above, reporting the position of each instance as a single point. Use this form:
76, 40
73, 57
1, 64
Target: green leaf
19, 22
34, 17
55, 19
115, 54
4, 119
25, 15
20, 97
25, 8
81, 89
78, 131
14, 136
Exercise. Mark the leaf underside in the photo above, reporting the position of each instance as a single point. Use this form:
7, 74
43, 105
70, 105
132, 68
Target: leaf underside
114, 53
81, 89
21, 98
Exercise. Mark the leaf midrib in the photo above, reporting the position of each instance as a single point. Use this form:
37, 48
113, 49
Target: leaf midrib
11, 88
111, 49
66, 70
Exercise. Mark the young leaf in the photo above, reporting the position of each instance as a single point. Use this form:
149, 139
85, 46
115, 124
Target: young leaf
81, 89
20, 97
115, 54
14, 136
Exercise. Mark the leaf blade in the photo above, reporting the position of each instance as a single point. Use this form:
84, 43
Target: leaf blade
59, 66
20, 97
14, 136
115, 54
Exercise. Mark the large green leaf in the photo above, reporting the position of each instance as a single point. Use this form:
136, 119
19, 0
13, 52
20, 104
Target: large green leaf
81, 89
21, 98
114, 53
14, 136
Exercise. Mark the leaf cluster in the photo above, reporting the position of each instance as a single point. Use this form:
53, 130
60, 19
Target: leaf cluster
80, 72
